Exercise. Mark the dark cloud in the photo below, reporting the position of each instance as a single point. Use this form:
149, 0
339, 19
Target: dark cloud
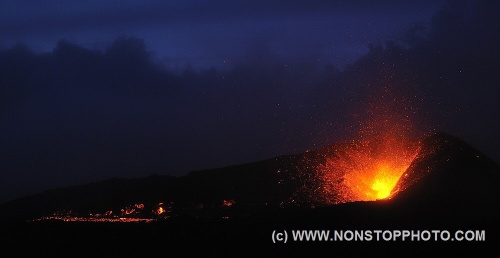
211, 33
75, 115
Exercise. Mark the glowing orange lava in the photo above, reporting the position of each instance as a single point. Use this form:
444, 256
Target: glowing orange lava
368, 168
228, 203
371, 169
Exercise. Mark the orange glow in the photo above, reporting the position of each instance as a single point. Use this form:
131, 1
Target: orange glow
127, 211
132, 213
368, 167
97, 220
371, 172
385, 181
228, 203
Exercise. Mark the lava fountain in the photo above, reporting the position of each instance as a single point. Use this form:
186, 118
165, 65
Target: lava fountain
368, 167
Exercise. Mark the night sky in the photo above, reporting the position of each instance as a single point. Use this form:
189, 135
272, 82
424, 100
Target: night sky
91, 90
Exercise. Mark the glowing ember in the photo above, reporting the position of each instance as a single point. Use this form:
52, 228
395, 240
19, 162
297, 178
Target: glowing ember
97, 220
128, 211
228, 203
133, 213
160, 210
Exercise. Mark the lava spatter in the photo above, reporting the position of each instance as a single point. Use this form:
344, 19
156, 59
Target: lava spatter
367, 167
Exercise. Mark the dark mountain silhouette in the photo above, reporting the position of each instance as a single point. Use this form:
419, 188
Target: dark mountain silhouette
452, 179
253, 184
449, 185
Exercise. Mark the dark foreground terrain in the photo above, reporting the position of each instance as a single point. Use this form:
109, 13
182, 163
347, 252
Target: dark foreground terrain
238, 237
450, 186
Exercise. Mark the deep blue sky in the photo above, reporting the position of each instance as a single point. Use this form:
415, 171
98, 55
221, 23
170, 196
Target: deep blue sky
96, 89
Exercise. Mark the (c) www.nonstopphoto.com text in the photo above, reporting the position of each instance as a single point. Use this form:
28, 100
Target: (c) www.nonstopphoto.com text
284, 236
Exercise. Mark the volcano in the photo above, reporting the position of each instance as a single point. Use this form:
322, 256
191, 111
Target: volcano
445, 184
